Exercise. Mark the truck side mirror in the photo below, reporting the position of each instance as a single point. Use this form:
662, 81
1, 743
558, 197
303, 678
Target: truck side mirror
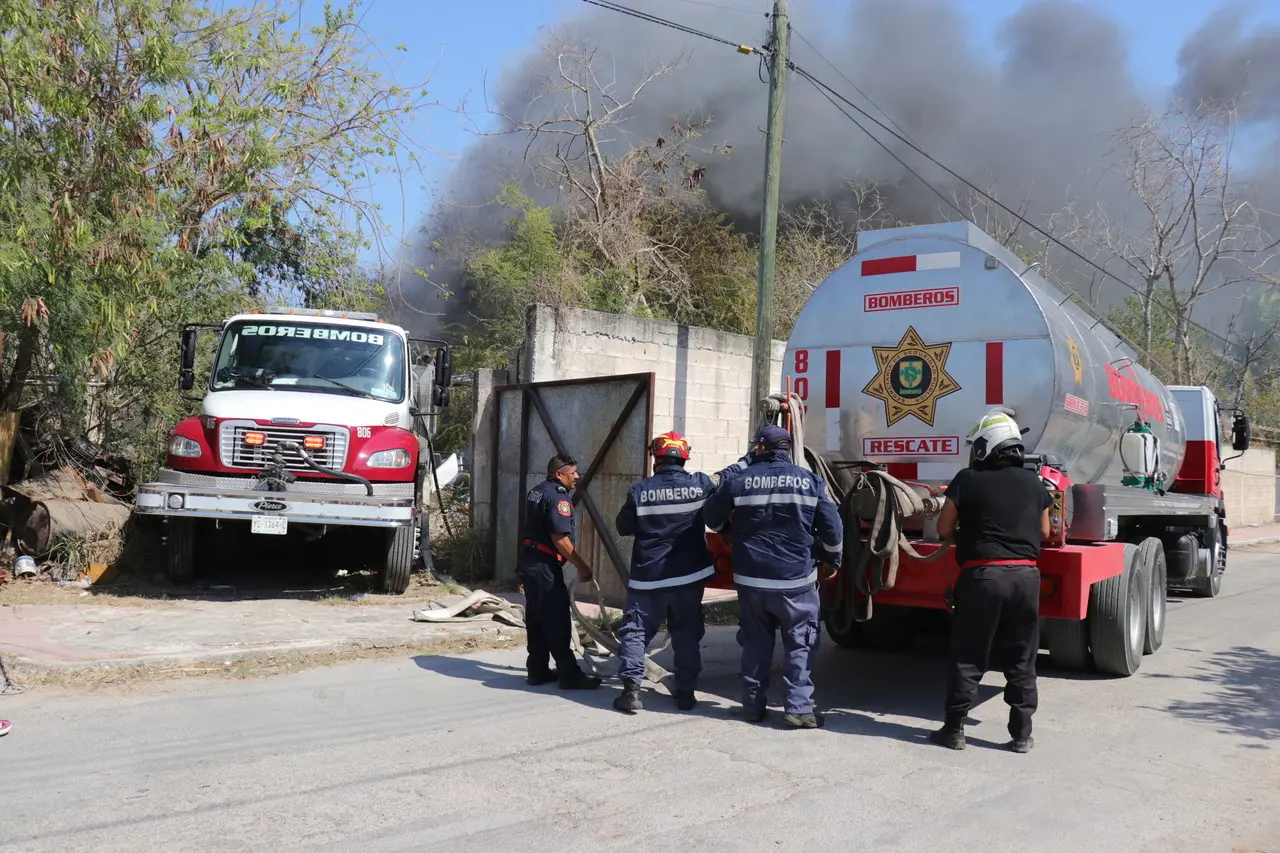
444, 376
187, 361
1241, 433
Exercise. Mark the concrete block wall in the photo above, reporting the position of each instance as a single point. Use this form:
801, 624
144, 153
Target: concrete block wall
702, 378
1249, 488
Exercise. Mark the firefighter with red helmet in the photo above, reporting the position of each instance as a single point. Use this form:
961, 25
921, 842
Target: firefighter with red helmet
670, 565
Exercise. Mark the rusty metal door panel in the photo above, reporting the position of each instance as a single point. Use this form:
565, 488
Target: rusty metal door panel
603, 422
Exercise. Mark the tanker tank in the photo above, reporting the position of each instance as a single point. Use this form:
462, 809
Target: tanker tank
900, 351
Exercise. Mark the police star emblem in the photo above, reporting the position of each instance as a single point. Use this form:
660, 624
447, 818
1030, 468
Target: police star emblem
910, 378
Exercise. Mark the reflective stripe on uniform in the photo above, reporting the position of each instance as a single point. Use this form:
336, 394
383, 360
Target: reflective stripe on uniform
769, 583
680, 581
832, 549
670, 509
762, 500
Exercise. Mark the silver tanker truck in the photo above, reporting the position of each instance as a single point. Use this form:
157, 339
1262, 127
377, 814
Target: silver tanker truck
902, 349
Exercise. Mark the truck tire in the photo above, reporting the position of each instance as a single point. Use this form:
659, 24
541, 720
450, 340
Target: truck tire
180, 549
1068, 643
1118, 617
394, 578
850, 639
1212, 585
1155, 564
890, 629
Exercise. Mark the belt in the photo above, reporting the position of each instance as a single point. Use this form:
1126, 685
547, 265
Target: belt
973, 564
538, 546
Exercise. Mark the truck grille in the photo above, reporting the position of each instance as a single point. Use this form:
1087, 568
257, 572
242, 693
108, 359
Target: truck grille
236, 454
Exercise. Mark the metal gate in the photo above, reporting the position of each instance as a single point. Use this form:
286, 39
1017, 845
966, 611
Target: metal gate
605, 423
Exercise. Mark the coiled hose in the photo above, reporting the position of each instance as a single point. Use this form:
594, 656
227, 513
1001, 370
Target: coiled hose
606, 641
871, 496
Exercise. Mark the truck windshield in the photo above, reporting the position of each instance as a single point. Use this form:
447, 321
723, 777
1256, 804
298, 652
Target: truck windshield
329, 359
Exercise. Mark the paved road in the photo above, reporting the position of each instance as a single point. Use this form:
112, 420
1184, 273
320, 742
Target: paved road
456, 754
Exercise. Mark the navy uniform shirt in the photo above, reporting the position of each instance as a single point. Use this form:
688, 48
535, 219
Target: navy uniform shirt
548, 509
664, 514
735, 469
781, 518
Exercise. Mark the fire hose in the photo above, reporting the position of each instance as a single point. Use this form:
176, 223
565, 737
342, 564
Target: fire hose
872, 496
606, 641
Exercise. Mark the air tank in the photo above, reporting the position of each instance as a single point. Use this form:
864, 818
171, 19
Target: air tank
899, 352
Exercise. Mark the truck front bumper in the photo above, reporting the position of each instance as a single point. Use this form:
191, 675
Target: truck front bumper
177, 494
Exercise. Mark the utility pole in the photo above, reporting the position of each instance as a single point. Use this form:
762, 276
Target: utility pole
763, 364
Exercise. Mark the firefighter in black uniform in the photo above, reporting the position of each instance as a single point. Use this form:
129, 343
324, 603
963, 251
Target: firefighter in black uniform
547, 543
996, 514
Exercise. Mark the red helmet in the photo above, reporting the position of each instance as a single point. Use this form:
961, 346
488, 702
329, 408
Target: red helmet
671, 444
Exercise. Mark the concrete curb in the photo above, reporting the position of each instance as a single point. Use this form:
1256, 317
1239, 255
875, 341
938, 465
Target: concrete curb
1249, 543
28, 666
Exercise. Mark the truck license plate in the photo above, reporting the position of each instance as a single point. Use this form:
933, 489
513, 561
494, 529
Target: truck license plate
276, 525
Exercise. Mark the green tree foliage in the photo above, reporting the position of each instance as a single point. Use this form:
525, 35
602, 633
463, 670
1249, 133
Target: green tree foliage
168, 161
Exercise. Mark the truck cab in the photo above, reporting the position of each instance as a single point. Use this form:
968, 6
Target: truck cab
309, 420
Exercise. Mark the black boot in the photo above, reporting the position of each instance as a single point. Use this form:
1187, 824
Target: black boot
628, 701
536, 679
1020, 732
579, 681
951, 735
685, 700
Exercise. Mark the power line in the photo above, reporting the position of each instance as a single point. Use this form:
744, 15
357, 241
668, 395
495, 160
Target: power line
891, 152
827, 89
846, 79
663, 22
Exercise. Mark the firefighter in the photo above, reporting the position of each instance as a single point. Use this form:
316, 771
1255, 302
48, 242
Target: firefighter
996, 514
670, 565
549, 529
779, 511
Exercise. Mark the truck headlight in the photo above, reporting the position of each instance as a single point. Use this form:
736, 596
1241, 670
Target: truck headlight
181, 446
398, 458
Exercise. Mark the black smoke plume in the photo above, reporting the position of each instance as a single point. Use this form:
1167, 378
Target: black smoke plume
1032, 123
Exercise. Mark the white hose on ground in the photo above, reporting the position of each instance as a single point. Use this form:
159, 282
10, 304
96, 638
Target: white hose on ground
481, 606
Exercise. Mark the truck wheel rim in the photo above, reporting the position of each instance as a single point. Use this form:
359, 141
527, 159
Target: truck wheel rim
1157, 602
1136, 621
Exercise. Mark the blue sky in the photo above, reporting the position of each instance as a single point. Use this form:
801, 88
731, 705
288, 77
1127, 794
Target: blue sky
457, 43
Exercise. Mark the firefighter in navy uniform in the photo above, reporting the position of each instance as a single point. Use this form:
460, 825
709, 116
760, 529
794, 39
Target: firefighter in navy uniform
549, 529
670, 565
781, 516
996, 514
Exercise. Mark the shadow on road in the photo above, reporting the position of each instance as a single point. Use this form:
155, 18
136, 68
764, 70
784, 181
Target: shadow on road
505, 677
859, 690
1243, 696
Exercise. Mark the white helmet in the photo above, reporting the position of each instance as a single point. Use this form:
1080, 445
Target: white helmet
997, 434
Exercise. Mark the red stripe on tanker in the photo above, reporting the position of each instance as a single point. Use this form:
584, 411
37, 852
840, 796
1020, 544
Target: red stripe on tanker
1126, 389
833, 379
911, 263
995, 373
832, 425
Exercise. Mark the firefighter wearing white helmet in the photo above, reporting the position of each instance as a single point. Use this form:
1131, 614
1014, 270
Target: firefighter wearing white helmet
996, 515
